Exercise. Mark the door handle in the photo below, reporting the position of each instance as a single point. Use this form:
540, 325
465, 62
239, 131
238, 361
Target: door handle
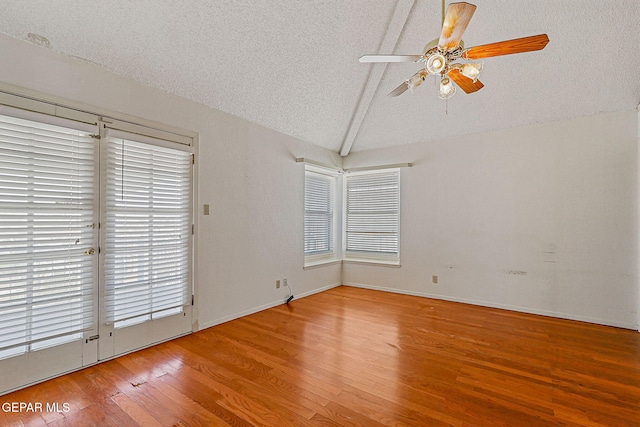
90, 251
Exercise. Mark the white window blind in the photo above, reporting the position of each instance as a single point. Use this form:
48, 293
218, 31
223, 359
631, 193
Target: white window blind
47, 176
372, 225
319, 196
147, 249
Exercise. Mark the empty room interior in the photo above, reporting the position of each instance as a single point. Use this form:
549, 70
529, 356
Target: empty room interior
322, 213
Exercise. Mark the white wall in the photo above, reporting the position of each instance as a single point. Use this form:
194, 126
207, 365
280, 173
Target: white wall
246, 173
540, 219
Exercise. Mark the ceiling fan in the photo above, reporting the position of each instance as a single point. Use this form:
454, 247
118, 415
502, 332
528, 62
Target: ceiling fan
441, 55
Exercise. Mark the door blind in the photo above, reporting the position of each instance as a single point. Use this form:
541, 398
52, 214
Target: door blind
147, 247
47, 176
319, 190
373, 214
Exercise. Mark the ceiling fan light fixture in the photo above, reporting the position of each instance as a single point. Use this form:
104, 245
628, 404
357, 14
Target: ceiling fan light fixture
447, 89
436, 63
471, 70
415, 81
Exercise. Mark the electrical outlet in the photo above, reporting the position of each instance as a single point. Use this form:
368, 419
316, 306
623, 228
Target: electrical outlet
434, 279
277, 284
284, 282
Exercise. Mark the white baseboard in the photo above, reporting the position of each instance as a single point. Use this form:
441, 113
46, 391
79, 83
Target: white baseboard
253, 310
500, 306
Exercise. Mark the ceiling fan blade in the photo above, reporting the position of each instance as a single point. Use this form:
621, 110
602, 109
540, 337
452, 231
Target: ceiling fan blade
399, 90
465, 83
455, 23
390, 58
507, 47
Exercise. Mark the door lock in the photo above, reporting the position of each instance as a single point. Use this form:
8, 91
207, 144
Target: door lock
90, 251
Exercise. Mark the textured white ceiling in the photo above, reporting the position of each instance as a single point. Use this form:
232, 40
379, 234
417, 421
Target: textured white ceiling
292, 65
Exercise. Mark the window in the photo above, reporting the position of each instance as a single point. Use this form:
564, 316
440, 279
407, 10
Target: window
47, 175
319, 215
372, 216
148, 231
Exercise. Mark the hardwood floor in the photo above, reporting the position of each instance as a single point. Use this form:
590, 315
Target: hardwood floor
354, 357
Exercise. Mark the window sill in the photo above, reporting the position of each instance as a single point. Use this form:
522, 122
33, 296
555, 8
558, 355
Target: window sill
380, 262
321, 263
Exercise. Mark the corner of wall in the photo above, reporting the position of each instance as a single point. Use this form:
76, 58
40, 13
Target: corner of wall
638, 221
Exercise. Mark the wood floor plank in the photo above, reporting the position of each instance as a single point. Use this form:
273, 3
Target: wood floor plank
384, 411
344, 416
207, 398
356, 357
135, 411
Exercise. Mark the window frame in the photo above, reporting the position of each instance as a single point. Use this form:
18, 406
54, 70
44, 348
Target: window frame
43, 125
371, 257
142, 145
333, 176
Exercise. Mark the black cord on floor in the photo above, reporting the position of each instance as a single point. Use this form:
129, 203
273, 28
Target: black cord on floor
286, 283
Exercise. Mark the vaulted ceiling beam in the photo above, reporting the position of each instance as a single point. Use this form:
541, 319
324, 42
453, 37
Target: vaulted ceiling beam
394, 30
